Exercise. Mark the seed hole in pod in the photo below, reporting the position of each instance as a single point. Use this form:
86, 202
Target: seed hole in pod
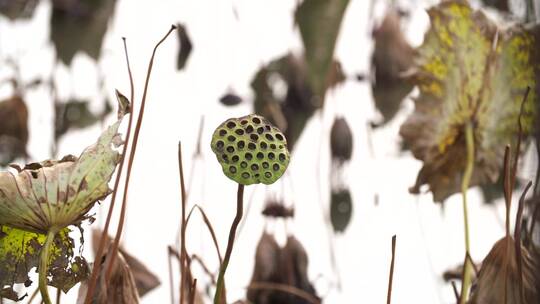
239, 131
260, 130
268, 174
254, 167
245, 175
254, 137
272, 146
248, 156
265, 165
241, 144
252, 146
249, 129
243, 164
257, 175
231, 138
235, 158
260, 155
220, 144
271, 155
244, 121
256, 120
231, 124
222, 132
225, 157
232, 169
230, 149
279, 137
275, 167
264, 145
281, 146
268, 128
269, 137
282, 157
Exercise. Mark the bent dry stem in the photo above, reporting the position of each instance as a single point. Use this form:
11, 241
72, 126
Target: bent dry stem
220, 289
467, 268
44, 265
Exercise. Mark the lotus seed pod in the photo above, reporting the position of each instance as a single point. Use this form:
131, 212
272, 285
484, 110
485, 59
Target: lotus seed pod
251, 150
341, 140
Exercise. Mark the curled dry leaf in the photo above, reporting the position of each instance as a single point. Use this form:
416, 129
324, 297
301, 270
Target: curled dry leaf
185, 46
19, 253
15, 9
291, 109
56, 194
79, 26
469, 71
341, 209
121, 289
319, 22
76, 114
392, 56
13, 129
341, 140
499, 276
145, 280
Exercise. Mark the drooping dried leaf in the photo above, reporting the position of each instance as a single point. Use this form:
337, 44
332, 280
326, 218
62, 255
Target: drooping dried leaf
341, 209
499, 276
124, 105
341, 140
469, 71
76, 114
230, 99
79, 26
184, 48
319, 22
19, 253
121, 289
392, 56
266, 269
145, 280
18, 9
59, 193
13, 129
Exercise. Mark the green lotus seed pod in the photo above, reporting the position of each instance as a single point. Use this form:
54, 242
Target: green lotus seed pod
251, 150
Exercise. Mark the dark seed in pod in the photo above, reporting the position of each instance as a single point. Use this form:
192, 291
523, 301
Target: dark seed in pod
249, 129
243, 164
219, 144
254, 167
281, 157
235, 158
245, 175
252, 146
241, 144
265, 165
243, 122
268, 174
271, 155
268, 128
257, 175
231, 124
231, 138
269, 137
256, 120
260, 130
260, 155
272, 146
239, 131
279, 137
254, 137
276, 167
248, 156
222, 132
264, 145
281, 146
230, 149
232, 169
225, 157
